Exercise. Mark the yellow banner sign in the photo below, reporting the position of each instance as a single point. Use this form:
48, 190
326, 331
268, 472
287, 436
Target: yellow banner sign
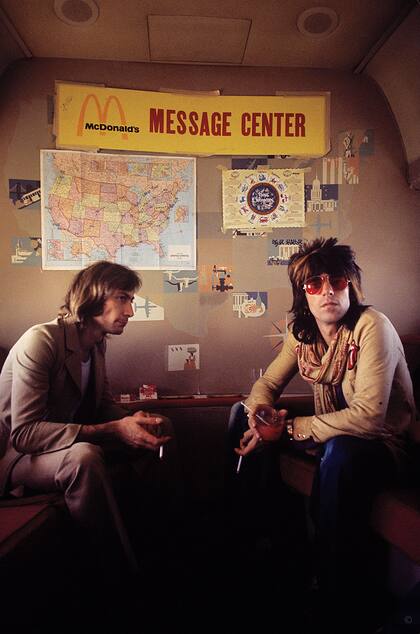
111, 118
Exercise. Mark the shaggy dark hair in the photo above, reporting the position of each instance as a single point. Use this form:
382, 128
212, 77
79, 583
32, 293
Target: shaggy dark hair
92, 286
314, 258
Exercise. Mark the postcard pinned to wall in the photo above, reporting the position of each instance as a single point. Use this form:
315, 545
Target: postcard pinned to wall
356, 143
23, 192
280, 250
29, 199
26, 251
215, 278
260, 199
340, 170
183, 357
321, 198
250, 303
146, 310
180, 281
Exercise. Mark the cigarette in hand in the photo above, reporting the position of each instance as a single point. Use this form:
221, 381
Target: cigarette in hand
256, 415
161, 452
238, 468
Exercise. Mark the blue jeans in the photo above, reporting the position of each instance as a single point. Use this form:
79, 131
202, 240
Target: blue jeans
262, 512
258, 470
350, 472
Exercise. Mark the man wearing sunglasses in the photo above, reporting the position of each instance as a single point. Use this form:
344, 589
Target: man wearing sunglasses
352, 357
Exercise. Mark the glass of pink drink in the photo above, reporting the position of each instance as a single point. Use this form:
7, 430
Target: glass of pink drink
269, 422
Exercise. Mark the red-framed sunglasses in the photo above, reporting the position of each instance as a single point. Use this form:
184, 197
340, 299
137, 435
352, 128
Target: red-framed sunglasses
314, 285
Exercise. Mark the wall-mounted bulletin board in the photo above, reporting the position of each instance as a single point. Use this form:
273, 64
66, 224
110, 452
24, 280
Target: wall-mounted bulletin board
206, 196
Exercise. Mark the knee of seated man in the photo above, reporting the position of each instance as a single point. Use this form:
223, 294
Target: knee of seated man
341, 452
83, 462
238, 420
348, 457
237, 412
86, 455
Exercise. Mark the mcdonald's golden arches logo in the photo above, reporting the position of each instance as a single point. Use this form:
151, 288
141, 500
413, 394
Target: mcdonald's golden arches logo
101, 124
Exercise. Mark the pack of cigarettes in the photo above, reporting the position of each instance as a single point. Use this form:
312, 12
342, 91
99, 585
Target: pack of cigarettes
147, 391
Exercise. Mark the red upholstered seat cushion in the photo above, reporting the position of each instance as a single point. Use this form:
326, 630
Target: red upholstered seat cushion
22, 522
16, 518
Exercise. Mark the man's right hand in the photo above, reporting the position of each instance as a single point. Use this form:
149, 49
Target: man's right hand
128, 432
265, 424
248, 442
131, 432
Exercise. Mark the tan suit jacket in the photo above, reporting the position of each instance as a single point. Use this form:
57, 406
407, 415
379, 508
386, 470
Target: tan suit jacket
40, 390
377, 388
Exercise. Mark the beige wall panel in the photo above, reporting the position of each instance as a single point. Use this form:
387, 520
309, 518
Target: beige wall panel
379, 217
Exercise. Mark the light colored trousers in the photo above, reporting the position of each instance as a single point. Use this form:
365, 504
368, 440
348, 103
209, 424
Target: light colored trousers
81, 474
89, 477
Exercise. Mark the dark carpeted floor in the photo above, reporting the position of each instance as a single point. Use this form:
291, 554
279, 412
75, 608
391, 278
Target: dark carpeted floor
215, 571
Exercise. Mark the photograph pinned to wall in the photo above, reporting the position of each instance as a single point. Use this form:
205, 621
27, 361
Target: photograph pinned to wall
321, 198
340, 171
183, 357
26, 251
281, 249
248, 163
278, 333
215, 278
270, 198
29, 199
250, 303
146, 310
356, 143
19, 188
180, 281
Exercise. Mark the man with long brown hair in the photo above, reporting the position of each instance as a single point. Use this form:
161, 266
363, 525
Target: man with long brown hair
60, 429
352, 357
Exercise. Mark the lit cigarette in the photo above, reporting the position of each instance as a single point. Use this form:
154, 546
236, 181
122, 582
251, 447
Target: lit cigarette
238, 468
256, 415
161, 452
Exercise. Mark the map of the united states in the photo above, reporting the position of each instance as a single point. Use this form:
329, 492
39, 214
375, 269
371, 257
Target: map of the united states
133, 209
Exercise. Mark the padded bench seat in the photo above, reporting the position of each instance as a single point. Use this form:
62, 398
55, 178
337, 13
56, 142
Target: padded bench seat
26, 523
396, 517
395, 514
